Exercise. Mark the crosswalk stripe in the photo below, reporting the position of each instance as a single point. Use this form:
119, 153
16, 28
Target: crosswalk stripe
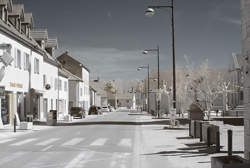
125, 142
80, 160
6, 140
73, 141
23, 142
47, 142
99, 142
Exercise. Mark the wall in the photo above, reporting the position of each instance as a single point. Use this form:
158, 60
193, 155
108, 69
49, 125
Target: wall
245, 16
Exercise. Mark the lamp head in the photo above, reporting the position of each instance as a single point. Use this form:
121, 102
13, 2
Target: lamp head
150, 12
145, 52
138, 69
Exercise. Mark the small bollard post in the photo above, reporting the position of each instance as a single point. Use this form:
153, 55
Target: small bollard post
190, 128
201, 132
208, 137
195, 129
14, 123
230, 142
217, 141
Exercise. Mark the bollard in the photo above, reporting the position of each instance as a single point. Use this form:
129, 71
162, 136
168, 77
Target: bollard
14, 123
230, 142
208, 137
195, 129
190, 128
201, 132
217, 141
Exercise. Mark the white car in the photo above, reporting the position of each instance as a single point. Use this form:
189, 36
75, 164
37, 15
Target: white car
105, 109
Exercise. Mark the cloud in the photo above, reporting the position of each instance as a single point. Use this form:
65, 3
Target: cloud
233, 21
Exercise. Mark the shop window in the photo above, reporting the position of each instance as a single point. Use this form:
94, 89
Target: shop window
60, 85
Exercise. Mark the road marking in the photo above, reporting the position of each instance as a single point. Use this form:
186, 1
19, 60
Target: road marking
125, 142
6, 140
99, 142
47, 148
73, 142
47, 142
80, 160
23, 142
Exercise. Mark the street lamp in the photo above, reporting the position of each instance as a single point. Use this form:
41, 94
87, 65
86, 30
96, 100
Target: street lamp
146, 67
150, 12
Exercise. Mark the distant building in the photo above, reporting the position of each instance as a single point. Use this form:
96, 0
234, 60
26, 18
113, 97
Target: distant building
99, 87
78, 89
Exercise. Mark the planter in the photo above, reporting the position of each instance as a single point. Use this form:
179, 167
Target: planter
213, 130
26, 125
229, 162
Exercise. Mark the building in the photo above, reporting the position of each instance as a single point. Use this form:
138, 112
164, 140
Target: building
78, 89
245, 22
99, 86
95, 97
22, 84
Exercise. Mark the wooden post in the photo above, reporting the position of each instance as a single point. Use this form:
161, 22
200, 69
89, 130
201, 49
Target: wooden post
230, 142
201, 132
208, 137
217, 141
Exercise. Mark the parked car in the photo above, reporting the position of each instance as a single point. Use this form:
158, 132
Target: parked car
94, 110
105, 109
77, 112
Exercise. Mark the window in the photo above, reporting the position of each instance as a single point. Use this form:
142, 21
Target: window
60, 85
55, 86
44, 80
18, 59
36, 66
80, 91
26, 62
65, 86
51, 104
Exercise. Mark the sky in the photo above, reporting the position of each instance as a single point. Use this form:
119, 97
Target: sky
108, 36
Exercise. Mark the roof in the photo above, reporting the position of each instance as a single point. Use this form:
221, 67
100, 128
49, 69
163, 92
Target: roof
51, 42
28, 19
8, 3
39, 34
99, 87
67, 54
14, 33
17, 9
69, 75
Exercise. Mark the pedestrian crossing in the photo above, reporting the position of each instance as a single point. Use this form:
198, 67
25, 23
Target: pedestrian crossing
97, 142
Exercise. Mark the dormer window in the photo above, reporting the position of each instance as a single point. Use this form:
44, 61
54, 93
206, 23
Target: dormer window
3, 13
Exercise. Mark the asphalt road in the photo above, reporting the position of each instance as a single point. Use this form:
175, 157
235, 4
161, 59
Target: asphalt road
90, 146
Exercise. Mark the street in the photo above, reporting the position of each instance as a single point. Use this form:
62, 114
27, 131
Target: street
88, 146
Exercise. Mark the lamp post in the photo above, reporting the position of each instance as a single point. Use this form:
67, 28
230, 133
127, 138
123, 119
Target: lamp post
149, 12
146, 67
146, 51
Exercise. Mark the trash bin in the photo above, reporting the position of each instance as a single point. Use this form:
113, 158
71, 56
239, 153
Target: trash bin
52, 118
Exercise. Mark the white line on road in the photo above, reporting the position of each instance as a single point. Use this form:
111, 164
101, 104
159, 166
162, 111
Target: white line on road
99, 142
80, 160
23, 142
47, 148
125, 142
6, 140
47, 142
73, 141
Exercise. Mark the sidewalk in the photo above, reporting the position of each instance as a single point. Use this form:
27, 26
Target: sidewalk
180, 151
8, 131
